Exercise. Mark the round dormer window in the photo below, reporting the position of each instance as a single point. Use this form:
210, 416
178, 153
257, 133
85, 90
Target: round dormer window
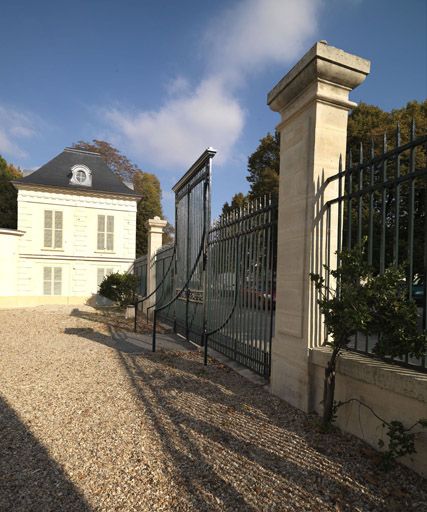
81, 175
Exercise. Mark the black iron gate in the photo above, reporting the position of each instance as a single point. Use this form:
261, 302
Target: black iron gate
241, 277
185, 309
216, 285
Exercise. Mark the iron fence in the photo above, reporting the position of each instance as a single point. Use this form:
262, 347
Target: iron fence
140, 271
382, 199
240, 290
164, 262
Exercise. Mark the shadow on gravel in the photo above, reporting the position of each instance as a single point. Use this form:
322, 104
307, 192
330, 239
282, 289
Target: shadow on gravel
233, 446
29, 479
119, 344
115, 317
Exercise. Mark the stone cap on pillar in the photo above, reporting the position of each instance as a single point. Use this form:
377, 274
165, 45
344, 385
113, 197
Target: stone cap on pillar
321, 64
156, 223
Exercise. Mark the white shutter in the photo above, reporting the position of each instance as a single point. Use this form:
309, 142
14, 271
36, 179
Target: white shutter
57, 281
48, 221
58, 230
101, 233
47, 281
110, 233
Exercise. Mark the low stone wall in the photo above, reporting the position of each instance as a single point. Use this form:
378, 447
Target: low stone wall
27, 301
394, 393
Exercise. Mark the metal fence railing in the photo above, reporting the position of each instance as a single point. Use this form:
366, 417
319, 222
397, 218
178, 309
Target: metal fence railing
140, 268
241, 284
382, 199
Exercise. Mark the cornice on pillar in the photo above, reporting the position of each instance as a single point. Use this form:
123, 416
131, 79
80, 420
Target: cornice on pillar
325, 73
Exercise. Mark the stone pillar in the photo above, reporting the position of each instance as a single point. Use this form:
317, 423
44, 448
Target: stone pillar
313, 101
155, 235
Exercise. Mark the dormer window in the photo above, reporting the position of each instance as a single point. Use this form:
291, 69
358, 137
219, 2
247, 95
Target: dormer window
81, 175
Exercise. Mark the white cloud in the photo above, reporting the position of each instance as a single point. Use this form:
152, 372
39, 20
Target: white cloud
178, 132
14, 126
242, 41
255, 33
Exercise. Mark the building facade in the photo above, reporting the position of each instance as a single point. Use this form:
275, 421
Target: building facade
76, 224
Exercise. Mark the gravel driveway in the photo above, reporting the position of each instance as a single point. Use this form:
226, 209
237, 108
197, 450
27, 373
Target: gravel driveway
85, 426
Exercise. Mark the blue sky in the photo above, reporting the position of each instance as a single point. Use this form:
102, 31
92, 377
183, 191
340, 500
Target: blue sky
162, 80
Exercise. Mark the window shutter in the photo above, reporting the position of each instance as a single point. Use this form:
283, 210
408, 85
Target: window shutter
57, 281
47, 280
48, 228
101, 232
110, 233
58, 230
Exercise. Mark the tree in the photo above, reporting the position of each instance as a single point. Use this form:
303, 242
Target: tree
264, 168
370, 304
146, 184
8, 194
239, 200
368, 123
117, 162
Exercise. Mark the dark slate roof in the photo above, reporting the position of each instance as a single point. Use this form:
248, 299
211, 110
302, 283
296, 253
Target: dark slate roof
57, 173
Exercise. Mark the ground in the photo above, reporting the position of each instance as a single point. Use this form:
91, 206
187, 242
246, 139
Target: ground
92, 424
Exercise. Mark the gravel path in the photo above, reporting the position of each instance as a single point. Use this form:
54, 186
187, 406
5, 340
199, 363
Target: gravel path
84, 426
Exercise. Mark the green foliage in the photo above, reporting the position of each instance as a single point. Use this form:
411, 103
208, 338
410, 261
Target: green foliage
120, 288
370, 304
8, 194
365, 123
239, 200
149, 207
401, 442
264, 167
401, 439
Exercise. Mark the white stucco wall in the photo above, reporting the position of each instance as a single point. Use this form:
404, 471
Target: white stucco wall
79, 257
9, 247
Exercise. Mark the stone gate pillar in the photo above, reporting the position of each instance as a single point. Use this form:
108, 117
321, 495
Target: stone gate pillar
155, 235
313, 101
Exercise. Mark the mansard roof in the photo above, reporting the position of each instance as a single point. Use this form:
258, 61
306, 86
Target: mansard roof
57, 173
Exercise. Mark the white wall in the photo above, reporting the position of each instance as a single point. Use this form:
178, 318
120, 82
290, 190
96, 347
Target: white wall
9, 242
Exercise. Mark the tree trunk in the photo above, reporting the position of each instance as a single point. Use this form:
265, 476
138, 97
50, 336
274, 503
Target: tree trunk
329, 388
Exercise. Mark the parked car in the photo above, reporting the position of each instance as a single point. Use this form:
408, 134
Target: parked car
418, 290
258, 297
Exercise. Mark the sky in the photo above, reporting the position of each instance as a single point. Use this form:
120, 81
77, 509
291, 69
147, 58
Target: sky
164, 79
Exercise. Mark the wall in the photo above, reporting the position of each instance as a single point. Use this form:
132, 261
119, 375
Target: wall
394, 393
9, 247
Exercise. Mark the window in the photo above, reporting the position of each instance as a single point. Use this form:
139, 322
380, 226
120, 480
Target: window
81, 175
53, 229
52, 280
105, 233
101, 273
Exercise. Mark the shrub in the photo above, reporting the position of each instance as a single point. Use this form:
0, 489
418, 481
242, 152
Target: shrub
119, 288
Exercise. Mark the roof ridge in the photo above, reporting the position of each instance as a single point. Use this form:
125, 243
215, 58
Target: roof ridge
75, 150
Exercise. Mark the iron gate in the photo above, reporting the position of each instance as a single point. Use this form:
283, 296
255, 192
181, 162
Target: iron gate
216, 285
241, 284
185, 306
